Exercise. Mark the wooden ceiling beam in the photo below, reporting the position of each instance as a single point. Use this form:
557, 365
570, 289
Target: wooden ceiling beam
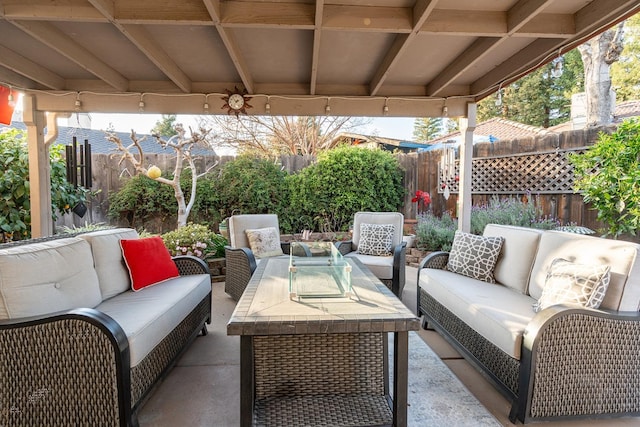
55, 39
421, 11
461, 64
144, 42
315, 53
593, 16
215, 9
523, 12
29, 69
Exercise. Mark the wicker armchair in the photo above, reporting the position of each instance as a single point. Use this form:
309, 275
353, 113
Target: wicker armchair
240, 260
389, 269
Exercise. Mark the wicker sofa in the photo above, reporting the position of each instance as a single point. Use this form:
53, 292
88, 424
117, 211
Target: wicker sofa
564, 361
77, 346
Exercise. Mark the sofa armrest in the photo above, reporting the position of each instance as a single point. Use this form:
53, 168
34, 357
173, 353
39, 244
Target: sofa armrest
578, 361
436, 260
68, 368
188, 265
399, 266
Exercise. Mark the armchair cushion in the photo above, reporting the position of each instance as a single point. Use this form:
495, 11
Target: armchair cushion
376, 239
474, 256
571, 283
264, 242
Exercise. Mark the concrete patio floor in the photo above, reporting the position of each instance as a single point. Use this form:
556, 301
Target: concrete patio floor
176, 401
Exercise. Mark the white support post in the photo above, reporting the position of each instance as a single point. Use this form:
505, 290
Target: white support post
39, 170
467, 127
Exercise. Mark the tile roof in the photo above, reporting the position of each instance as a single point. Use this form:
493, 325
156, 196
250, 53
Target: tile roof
100, 145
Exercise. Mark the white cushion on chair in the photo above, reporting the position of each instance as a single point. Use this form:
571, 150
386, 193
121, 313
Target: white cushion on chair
239, 223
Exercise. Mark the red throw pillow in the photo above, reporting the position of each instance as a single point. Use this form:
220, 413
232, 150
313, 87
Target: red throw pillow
148, 261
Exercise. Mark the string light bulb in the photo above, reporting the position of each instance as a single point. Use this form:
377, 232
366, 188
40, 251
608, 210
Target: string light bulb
11, 101
267, 107
327, 109
78, 103
141, 104
205, 106
499, 98
385, 109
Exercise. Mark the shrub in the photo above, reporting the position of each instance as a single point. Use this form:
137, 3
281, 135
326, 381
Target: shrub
433, 233
436, 234
509, 211
196, 240
141, 200
608, 175
345, 180
15, 207
252, 185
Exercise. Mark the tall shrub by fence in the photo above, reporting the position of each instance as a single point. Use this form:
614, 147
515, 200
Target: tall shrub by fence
534, 169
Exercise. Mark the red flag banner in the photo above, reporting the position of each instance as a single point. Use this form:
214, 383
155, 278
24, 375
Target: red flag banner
6, 110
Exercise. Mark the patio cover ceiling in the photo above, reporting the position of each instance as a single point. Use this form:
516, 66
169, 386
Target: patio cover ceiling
297, 56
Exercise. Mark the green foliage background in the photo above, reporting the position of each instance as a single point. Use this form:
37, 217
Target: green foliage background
15, 214
345, 180
608, 175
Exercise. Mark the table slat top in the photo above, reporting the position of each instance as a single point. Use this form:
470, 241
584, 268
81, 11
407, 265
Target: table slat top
266, 308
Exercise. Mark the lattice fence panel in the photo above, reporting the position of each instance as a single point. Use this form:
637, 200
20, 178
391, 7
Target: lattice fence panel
539, 173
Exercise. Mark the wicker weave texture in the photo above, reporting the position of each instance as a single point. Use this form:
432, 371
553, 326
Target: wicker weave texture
188, 265
149, 370
320, 380
319, 364
238, 273
323, 411
580, 372
500, 364
64, 374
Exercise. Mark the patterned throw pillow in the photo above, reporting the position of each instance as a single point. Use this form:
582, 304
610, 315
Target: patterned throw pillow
264, 242
376, 239
571, 283
474, 256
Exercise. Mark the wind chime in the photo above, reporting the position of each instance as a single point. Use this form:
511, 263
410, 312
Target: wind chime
79, 169
448, 171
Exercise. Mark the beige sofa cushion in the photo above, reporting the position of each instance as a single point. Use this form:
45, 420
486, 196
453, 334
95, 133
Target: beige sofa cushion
113, 275
624, 286
380, 266
496, 312
149, 315
394, 218
516, 258
46, 277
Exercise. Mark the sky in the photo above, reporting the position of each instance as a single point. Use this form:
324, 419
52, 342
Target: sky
389, 127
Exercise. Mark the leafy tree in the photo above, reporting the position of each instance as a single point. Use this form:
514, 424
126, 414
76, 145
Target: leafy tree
540, 98
608, 175
15, 207
427, 128
625, 73
165, 126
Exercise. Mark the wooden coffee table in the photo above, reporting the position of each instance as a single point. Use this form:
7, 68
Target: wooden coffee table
320, 361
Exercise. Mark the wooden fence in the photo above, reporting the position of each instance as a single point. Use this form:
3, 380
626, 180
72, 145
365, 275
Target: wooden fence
535, 169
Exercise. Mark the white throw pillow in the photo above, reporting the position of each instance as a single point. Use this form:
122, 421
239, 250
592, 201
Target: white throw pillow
571, 283
376, 239
264, 242
474, 256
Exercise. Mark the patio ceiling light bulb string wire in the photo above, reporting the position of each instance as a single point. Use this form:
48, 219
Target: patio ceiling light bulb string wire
557, 54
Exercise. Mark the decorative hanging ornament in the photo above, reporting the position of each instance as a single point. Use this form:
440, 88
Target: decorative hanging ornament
7, 104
